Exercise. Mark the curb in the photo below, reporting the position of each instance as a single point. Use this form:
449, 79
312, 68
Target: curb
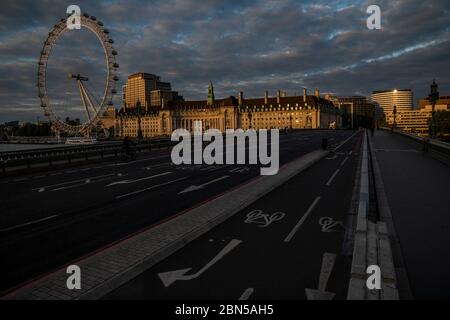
372, 244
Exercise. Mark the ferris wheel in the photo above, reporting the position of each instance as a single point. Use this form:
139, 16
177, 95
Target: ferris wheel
93, 106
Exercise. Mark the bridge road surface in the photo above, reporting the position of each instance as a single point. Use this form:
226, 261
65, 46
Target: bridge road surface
416, 186
278, 261
50, 219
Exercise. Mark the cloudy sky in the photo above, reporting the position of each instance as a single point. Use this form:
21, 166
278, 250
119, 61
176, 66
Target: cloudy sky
242, 45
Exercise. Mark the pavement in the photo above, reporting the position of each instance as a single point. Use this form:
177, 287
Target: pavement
289, 244
51, 219
416, 187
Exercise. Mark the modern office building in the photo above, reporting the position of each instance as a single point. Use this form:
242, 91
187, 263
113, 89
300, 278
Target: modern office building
281, 112
402, 99
146, 90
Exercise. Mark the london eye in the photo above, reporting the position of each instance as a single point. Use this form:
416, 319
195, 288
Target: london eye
93, 105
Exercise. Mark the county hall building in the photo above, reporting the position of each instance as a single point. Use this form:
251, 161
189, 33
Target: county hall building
150, 108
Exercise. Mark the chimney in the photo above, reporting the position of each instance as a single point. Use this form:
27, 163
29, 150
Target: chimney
241, 98
304, 94
316, 93
266, 97
278, 96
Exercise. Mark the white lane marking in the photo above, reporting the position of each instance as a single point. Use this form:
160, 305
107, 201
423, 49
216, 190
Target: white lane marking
28, 223
302, 219
140, 160
344, 161
43, 188
350, 153
247, 293
137, 180
332, 177
158, 166
211, 168
345, 141
195, 187
328, 260
87, 181
396, 150
171, 276
150, 188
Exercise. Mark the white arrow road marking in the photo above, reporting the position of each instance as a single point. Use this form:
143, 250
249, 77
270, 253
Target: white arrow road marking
302, 219
240, 169
170, 277
195, 188
247, 293
325, 272
137, 180
44, 188
332, 177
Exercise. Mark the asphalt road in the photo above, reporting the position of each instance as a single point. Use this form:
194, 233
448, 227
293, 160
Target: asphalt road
49, 219
273, 249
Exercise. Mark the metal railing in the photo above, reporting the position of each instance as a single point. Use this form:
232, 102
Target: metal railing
26, 159
427, 144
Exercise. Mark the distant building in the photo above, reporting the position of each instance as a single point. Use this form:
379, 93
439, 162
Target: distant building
281, 112
108, 119
146, 90
402, 99
356, 111
443, 103
417, 121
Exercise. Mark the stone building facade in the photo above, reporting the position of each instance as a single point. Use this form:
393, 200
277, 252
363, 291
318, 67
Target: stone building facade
280, 112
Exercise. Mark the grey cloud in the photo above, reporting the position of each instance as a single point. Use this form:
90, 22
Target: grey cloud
240, 45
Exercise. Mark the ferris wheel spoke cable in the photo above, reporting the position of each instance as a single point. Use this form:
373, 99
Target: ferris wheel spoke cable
89, 90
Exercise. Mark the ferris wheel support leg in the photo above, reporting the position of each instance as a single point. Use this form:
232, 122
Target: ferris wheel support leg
88, 98
83, 98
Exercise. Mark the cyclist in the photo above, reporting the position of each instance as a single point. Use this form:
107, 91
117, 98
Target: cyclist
127, 145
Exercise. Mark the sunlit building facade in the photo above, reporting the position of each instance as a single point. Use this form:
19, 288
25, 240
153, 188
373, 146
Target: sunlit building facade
146, 90
280, 112
402, 99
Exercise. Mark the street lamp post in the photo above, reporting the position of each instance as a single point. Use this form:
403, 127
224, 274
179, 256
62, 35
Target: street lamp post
434, 97
139, 133
395, 117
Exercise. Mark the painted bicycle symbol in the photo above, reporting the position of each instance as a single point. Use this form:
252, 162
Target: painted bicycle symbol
263, 219
330, 225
